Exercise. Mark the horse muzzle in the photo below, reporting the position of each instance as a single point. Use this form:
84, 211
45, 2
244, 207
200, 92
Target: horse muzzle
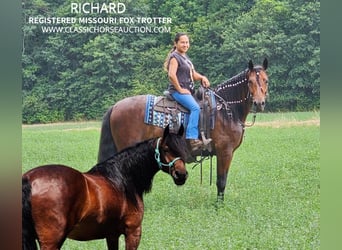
178, 177
259, 105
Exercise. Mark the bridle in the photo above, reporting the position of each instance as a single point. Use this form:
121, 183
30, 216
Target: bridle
257, 72
249, 95
157, 157
241, 79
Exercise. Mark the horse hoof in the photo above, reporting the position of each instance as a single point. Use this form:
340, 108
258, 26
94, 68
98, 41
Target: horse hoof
220, 197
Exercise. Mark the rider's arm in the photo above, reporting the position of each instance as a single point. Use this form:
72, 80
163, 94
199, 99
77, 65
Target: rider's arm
198, 77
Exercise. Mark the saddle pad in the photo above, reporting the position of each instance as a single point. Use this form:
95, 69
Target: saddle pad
162, 119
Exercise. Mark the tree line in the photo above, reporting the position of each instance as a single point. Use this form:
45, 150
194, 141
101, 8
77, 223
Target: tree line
76, 76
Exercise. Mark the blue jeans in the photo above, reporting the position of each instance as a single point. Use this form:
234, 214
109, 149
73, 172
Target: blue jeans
189, 103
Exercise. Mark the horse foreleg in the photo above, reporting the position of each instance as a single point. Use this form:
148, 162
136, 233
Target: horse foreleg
223, 163
112, 243
133, 238
50, 236
51, 245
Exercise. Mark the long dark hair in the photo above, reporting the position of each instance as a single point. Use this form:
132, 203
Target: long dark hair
175, 40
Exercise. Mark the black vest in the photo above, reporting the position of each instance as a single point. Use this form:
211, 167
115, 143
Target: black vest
184, 72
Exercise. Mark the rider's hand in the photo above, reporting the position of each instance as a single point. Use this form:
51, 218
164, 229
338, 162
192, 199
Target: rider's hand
184, 91
205, 82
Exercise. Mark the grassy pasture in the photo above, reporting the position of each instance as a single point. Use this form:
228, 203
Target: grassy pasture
272, 197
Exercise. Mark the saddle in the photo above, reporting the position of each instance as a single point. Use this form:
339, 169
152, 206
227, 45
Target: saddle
164, 110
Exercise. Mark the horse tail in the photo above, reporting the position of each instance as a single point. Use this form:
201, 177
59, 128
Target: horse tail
107, 147
29, 234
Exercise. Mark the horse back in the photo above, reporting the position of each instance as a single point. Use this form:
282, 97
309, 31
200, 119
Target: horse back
127, 122
54, 180
57, 195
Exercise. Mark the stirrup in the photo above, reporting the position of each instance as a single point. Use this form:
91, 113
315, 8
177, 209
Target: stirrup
206, 142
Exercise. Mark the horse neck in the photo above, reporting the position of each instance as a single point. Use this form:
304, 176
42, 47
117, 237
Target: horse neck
236, 96
141, 166
132, 169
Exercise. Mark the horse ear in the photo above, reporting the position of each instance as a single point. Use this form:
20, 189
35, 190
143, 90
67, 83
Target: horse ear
250, 65
166, 131
265, 64
181, 130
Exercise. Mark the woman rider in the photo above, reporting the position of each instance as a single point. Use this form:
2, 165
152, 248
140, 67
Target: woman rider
182, 75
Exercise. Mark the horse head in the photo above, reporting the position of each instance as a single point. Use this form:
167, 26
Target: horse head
171, 153
258, 84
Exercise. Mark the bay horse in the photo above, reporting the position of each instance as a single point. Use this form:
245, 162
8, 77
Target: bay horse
59, 202
123, 124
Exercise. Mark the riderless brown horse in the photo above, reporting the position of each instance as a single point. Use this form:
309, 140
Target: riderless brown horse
123, 124
59, 202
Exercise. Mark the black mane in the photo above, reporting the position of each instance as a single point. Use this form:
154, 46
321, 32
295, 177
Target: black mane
132, 170
234, 89
234, 92
230, 90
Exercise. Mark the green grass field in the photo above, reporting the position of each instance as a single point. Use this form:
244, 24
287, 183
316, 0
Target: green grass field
272, 197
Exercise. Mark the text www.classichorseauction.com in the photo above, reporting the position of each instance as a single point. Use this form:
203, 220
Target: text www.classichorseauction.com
108, 22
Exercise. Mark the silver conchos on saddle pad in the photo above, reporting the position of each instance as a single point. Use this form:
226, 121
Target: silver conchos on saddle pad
161, 111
